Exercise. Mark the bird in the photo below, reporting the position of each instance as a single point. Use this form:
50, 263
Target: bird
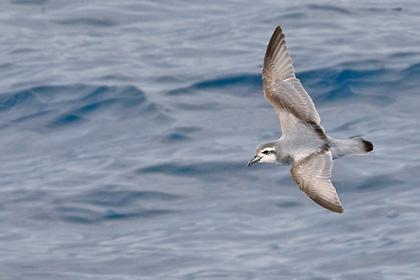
303, 144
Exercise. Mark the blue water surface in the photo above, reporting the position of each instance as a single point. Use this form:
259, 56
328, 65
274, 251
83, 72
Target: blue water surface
126, 126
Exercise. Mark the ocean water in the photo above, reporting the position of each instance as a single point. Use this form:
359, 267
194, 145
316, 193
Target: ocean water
126, 126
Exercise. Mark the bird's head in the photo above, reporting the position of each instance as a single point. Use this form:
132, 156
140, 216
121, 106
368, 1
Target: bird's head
265, 153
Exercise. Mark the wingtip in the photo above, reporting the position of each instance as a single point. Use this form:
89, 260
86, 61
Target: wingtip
278, 30
278, 64
334, 208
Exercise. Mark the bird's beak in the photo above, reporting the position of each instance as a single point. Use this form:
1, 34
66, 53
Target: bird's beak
255, 159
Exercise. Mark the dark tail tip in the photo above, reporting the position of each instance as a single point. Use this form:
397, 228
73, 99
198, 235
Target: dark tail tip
368, 146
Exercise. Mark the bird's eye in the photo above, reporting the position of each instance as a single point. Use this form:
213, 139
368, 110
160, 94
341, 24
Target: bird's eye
265, 152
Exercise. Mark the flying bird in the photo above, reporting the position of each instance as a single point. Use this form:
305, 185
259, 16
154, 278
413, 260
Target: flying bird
303, 143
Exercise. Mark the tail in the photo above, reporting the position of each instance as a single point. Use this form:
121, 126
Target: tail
353, 146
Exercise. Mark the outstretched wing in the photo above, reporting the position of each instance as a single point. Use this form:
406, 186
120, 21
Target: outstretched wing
283, 90
312, 174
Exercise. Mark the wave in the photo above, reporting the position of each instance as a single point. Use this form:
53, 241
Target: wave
56, 107
248, 83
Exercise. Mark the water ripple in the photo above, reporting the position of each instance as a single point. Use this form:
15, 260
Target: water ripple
60, 106
205, 169
250, 83
87, 22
